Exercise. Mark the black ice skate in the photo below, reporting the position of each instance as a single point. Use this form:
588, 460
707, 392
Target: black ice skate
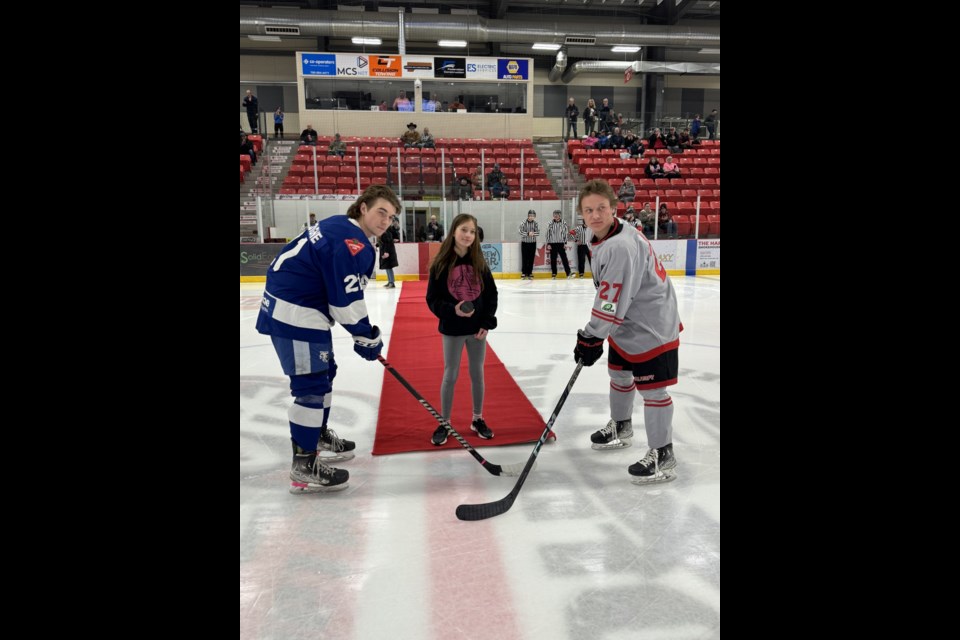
657, 466
309, 475
341, 449
618, 434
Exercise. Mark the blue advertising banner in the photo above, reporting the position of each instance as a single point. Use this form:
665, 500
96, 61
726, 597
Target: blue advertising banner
319, 64
512, 69
493, 254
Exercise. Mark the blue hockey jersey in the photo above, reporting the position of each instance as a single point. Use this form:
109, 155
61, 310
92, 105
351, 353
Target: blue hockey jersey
318, 280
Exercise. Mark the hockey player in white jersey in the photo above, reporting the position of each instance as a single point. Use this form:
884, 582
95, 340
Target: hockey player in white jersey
635, 310
316, 281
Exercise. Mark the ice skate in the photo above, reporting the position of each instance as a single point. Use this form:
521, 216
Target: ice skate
616, 435
657, 466
309, 475
341, 450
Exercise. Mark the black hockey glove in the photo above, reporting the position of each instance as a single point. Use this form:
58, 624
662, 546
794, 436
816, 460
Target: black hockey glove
371, 347
589, 348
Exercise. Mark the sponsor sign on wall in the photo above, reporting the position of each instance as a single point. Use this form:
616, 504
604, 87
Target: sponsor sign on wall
256, 258
482, 68
493, 254
708, 254
450, 67
385, 66
512, 69
672, 254
352, 65
417, 66
319, 64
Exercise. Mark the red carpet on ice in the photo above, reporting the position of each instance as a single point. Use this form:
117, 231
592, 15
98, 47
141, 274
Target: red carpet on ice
416, 353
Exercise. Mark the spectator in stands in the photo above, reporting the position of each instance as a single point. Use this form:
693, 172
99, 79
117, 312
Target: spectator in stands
590, 140
619, 121
251, 104
647, 218
695, 128
457, 104
477, 179
616, 141
572, 112
581, 236
429, 103
337, 146
627, 191
246, 148
313, 221
427, 141
309, 136
671, 169
633, 144
665, 220
557, 233
464, 188
654, 168
603, 141
421, 233
685, 142
388, 252
401, 103
497, 183
412, 137
529, 230
656, 140
711, 123
673, 141
590, 117
383, 106
606, 117
434, 230
630, 217
278, 124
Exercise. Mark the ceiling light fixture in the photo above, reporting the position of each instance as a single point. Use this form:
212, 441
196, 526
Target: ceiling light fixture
264, 38
366, 41
547, 46
713, 51
452, 43
625, 49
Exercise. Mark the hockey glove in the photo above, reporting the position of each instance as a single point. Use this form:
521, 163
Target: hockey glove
589, 348
371, 347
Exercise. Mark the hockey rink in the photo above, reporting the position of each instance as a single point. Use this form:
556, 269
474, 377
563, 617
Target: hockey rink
583, 554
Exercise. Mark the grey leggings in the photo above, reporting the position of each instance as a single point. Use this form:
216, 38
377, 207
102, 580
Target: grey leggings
452, 352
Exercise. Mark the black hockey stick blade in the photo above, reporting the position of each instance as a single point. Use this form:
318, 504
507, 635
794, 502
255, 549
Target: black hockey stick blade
491, 509
494, 469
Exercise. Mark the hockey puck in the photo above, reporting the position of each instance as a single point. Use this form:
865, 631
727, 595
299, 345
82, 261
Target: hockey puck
466, 307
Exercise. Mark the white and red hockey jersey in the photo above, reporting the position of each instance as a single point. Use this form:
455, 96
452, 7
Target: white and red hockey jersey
636, 305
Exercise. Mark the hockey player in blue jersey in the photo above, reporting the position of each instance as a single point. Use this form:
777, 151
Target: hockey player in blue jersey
635, 309
315, 282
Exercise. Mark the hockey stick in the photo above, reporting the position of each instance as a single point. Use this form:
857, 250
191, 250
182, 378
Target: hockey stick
494, 469
491, 509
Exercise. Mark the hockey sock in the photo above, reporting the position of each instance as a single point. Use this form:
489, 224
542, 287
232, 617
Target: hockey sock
657, 417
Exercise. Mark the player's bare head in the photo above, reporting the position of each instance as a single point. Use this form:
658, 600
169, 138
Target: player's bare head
369, 196
599, 188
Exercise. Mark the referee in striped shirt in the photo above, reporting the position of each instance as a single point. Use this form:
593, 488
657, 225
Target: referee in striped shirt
557, 239
581, 238
529, 230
